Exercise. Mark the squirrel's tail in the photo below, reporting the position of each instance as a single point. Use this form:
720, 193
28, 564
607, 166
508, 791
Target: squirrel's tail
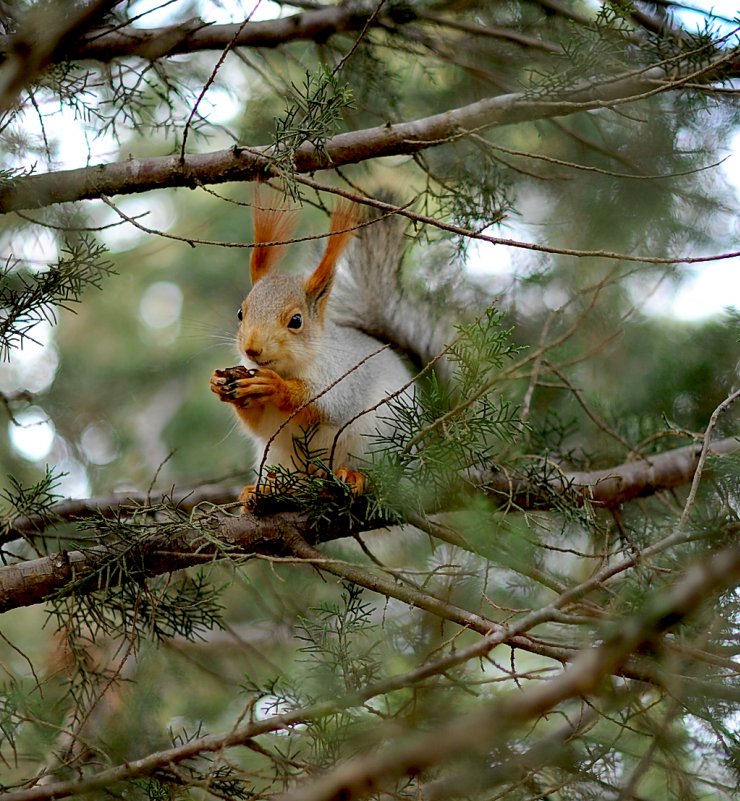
372, 296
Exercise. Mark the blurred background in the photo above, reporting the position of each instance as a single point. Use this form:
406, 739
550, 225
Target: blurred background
111, 393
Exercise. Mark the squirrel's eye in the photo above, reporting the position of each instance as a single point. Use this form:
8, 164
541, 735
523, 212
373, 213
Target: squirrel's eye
295, 322
239, 314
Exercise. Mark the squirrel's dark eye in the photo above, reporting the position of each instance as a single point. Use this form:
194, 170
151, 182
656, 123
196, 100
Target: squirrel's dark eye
295, 322
239, 314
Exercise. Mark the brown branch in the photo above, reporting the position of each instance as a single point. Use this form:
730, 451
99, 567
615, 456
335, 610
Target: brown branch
281, 536
249, 164
195, 34
33, 581
84, 571
277, 535
44, 36
610, 487
73, 509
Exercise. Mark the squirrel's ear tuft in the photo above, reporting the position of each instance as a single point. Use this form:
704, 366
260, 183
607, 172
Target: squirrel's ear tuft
272, 223
343, 221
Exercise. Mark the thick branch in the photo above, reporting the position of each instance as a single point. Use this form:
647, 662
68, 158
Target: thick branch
111, 505
195, 34
36, 580
41, 41
33, 581
610, 487
248, 164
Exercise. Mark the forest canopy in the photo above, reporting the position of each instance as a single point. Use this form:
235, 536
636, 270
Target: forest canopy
536, 595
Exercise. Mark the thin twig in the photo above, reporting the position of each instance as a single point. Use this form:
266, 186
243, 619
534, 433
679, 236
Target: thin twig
705, 448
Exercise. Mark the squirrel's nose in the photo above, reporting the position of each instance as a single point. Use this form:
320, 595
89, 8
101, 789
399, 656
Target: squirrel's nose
253, 353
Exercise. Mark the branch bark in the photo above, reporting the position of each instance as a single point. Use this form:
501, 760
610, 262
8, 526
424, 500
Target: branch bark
33, 581
195, 34
43, 39
611, 487
249, 164
73, 509
282, 535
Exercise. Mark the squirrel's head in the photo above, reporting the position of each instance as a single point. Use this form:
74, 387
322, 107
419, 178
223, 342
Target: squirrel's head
282, 317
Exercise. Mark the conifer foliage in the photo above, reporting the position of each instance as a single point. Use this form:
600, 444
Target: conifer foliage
536, 597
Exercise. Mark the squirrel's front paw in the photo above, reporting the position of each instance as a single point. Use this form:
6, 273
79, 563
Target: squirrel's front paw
261, 387
236, 385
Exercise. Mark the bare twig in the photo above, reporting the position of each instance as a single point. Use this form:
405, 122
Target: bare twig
705, 449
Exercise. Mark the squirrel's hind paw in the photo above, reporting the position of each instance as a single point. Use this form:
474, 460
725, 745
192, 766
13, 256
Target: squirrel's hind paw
250, 495
354, 479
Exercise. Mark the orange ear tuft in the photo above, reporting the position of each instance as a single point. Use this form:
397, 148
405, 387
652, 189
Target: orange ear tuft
343, 220
272, 223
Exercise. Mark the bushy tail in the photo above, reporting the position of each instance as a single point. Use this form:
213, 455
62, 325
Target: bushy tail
372, 296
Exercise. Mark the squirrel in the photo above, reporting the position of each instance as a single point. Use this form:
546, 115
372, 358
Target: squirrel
308, 368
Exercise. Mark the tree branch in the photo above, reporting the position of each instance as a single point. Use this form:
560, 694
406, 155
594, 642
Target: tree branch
43, 38
249, 164
611, 487
35, 580
73, 509
195, 34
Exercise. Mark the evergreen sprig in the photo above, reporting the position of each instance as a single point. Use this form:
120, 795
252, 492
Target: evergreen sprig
341, 642
30, 501
28, 298
429, 447
12, 701
471, 191
313, 116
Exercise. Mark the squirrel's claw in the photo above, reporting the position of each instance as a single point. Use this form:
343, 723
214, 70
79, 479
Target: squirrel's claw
237, 385
249, 496
219, 383
354, 479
